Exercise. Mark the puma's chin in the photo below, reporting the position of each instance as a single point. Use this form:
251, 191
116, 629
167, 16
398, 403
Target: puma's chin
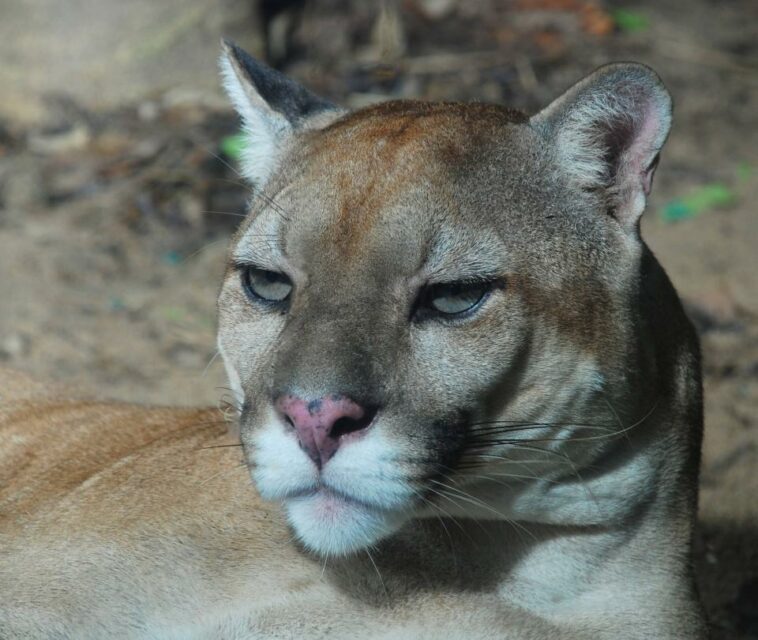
333, 524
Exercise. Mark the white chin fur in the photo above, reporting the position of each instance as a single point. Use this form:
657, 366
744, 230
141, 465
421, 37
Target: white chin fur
323, 518
330, 525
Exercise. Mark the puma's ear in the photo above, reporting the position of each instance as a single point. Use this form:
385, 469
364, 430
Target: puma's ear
606, 132
273, 108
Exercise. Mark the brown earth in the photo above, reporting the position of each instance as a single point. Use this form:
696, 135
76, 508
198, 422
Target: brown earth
114, 208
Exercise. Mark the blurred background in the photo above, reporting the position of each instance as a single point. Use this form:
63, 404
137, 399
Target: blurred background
118, 191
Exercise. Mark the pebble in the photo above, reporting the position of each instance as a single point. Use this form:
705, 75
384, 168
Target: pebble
148, 111
14, 346
59, 141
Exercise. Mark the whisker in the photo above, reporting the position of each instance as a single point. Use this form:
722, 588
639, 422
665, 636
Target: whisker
442, 522
209, 423
450, 499
197, 252
215, 355
495, 430
253, 190
463, 495
611, 432
510, 476
514, 445
220, 446
526, 424
223, 472
237, 183
381, 580
226, 213
323, 568
447, 514
218, 157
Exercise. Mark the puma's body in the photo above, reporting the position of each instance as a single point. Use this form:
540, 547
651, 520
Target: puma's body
511, 453
125, 522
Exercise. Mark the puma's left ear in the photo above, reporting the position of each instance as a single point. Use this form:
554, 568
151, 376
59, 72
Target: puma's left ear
273, 109
607, 131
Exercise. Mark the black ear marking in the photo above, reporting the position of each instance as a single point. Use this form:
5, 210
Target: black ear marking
273, 109
286, 96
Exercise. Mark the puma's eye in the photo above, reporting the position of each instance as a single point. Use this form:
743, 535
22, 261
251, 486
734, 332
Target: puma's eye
266, 285
455, 298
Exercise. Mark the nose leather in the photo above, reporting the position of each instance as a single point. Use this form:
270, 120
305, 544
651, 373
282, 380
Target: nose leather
323, 424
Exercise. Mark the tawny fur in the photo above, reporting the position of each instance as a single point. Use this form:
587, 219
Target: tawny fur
132, 522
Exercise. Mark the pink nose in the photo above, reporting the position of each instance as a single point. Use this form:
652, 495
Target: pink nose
322, 425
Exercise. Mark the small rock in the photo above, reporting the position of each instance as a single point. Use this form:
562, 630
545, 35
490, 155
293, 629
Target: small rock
148, 111
147, 148
70, 182
14, 346
191, 208
112, 143
437, 9
59, 140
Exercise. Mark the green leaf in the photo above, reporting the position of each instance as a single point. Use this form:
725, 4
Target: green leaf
710, 196
744, 172
630, 21
232, 146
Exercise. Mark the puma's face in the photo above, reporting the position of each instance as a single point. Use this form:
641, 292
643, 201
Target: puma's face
427, 304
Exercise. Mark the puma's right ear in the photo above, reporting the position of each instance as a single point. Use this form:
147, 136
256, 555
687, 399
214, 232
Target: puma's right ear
606, 132
273, 108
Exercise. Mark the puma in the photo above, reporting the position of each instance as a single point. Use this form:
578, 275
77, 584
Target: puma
468, 397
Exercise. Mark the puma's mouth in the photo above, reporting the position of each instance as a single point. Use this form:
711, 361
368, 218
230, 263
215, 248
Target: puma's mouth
365, 492
330, 522
329, 501
329, 504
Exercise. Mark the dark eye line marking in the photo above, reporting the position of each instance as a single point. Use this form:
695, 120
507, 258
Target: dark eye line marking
242, 264
493, 282
482, 278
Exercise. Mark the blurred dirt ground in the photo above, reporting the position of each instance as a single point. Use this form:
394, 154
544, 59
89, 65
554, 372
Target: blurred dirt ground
117, 199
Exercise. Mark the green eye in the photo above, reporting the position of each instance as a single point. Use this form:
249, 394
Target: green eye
268, 286
455, 298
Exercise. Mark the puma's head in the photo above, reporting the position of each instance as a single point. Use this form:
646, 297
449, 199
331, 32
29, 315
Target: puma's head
430, 308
